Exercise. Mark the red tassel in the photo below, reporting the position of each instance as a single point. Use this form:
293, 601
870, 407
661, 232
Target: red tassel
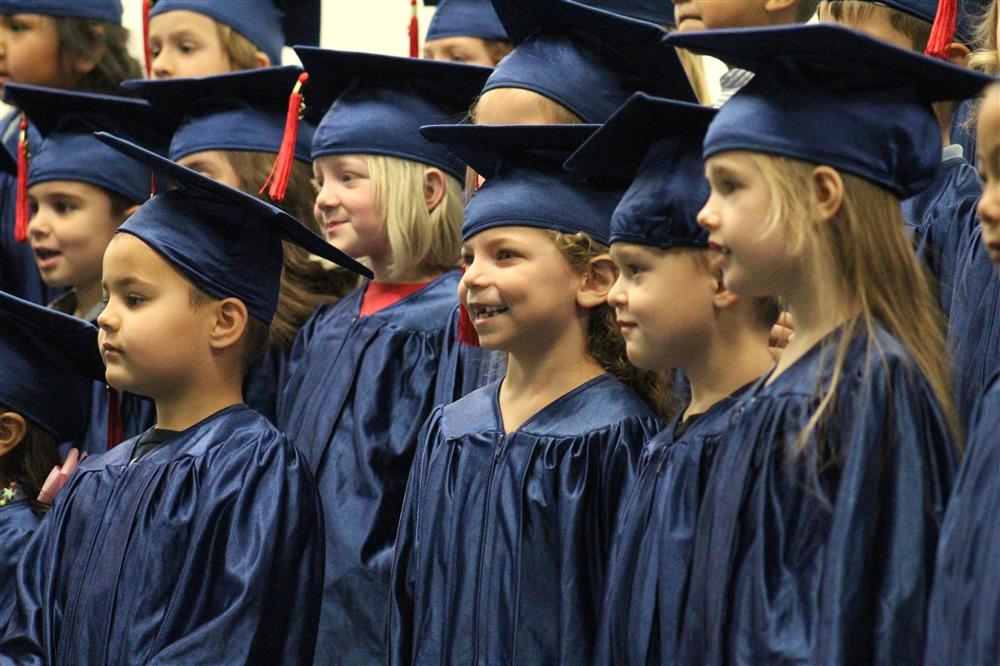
21, 210
116, 431
943, 32
414, 30
152, 184
145, 38
466, 329
282, 169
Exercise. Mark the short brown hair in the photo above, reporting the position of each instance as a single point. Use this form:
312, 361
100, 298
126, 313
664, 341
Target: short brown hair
857, 12
241, 51
255, 336
104, 42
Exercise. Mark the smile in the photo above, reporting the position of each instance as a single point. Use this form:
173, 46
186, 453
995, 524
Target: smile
483, 312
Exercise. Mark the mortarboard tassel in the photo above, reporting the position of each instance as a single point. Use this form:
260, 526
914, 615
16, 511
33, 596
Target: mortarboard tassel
21, 209
414, 30
466, 330
145, 37
943, 32
282, 169
116, 431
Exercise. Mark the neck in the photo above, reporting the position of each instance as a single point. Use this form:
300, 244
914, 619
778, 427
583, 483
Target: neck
195, 404
731, 360
87, 296
413, 274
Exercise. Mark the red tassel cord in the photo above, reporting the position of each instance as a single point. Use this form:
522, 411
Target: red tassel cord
116, 431
145, 38
21, 216
466, 329
282, 169
414, 30
943, 32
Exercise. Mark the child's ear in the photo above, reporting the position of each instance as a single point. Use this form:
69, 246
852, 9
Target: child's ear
80, 66
782, 9
598, 277
826, 193
435, 186
262, 60
231, 320
13, 428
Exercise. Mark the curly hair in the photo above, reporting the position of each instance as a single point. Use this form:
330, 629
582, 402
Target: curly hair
29, 463
103, 42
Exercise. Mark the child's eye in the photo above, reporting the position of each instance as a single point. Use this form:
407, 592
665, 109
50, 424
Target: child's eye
63, 207
467, 260
133, 300
505, 254
633, 269
347, 177
188, 47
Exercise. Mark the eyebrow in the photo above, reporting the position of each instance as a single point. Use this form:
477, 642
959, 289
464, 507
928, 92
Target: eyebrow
126, 282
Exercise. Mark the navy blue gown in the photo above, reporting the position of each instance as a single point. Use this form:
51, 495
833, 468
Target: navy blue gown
358, 390
207, 550
264, 381
643, 606
504, 538
810, 561
964, 621
18, 522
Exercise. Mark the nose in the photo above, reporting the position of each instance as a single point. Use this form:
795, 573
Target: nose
38, 225
707, 218
162, 65
327, 198
988, 207
108, 320
616, 297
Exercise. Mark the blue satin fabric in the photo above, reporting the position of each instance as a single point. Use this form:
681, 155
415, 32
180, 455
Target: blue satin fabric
138, 415
208, 550
504, 538
797, 562
463, 369
359, 389
264, 381
964, 619
647, 579
17, 523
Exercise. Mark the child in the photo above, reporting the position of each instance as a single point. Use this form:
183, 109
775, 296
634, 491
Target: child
816, 536
509, 508
362, 372
230, 128
675, 312
50, 361
212, 510
574, 63
962, 625
467, 31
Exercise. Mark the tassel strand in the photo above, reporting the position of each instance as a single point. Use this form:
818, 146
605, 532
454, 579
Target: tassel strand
282, 169
21, 206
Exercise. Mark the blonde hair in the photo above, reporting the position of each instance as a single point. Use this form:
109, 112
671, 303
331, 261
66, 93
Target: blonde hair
986, 57
242, 53
429, 240
694, 67
866, 252
552, 112
859, 12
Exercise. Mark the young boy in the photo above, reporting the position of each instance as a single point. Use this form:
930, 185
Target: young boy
675, 312
199, 541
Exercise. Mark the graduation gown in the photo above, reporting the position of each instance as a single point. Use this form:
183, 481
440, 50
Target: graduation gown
264, 381
18, 522
643, 606
207, 550
822, 562
504, 538
359, 388
964, 619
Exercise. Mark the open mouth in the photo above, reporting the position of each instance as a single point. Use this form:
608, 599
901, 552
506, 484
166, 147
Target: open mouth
44, 257
484, 312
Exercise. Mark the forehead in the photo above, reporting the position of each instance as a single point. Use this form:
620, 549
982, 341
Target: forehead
68, 188
634, 251
522, 235
457, 43
181, 20
128, 256
989, 117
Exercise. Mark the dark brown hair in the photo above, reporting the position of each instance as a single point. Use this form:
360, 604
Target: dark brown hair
497, 49
241, 51
29, 463
103, 42
916, 30
255, 336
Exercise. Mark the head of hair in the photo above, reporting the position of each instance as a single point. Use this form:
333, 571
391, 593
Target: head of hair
985, 56
255, 335
497, 49
418, 238
30, 462
858, 12
865, 253
551, 111
694, 67
241, 51
605, 343
806, 10
119, 205
106, 44
765, 309
306, 283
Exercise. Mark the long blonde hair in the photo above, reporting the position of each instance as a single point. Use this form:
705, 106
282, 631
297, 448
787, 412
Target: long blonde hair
986, 57
418, 238
864, 249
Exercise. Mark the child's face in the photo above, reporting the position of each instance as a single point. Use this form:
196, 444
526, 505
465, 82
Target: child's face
717, 14
184, 44
519, 289
215, 165
71, 226
152, 339
29, 51
988, 147
664, 304
877, 25
467, 50
345, 207
738, 219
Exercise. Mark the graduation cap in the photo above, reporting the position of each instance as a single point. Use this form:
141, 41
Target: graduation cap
50, 362
956, 18
98, 10
657, 142
654, 11
376, 104
827, 94
226, 242
466, 18
588, 60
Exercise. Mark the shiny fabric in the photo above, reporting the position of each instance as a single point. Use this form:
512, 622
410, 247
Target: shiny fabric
827, 558
17, 523
208, 550
647, 580
463, 368
359, 389
138, 414
964, 618
504, 537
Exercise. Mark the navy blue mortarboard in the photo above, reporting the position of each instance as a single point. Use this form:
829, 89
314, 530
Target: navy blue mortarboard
50, 362
466, 18
376, 104
526, 185
227, 243
243, 111
66, 121
830, 95
97, 10
657, 142
654, 11
588, 60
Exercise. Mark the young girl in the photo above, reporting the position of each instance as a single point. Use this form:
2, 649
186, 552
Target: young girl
467, 31
362, 372
962, 624
816, 537
508, 515
229, 128
50, 361
674, 312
